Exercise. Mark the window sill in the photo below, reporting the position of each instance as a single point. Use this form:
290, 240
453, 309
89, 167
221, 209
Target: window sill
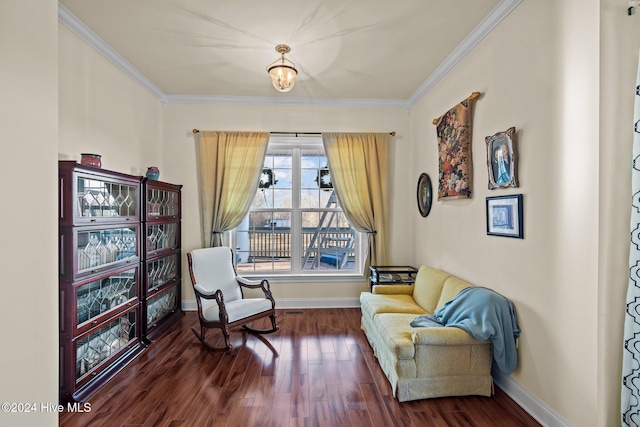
306, 278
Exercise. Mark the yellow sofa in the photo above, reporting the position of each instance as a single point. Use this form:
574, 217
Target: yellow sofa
424, 362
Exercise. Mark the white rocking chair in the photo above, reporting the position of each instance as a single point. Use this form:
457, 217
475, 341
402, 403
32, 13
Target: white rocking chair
221, 303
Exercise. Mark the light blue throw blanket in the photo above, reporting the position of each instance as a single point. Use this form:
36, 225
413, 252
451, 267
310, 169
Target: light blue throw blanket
485, 314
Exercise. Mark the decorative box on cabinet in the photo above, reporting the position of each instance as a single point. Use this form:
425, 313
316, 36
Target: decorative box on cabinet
161, 256
99, 276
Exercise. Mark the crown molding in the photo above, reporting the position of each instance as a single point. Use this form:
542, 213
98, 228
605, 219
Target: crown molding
72, 22
504, 8
274, 100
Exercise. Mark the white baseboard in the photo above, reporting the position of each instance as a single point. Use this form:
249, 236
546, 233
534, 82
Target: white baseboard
189, 305
318, 303
527, 401
349, 302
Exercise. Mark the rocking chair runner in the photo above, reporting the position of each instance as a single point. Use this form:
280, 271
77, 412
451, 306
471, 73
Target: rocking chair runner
221, 303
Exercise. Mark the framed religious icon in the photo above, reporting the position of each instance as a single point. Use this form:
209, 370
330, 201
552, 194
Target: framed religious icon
504, 216
502, 159
424, 194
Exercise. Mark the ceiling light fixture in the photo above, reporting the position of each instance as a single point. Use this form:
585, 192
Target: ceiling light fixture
283, 72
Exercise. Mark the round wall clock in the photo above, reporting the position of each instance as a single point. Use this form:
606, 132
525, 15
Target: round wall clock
424, 194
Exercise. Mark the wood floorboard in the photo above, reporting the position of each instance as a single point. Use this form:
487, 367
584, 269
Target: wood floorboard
324, 374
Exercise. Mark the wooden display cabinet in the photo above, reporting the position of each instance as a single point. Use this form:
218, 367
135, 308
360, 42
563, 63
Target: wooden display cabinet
100, 301
161, 256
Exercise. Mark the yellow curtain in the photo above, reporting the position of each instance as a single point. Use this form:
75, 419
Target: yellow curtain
230, 167
358, 163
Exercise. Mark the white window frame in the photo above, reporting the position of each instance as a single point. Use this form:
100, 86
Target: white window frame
297, 273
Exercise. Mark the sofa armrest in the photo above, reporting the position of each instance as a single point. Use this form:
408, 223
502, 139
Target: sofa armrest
393, 289
442, 336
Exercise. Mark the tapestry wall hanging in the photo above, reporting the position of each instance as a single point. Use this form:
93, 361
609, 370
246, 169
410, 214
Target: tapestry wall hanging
454, 151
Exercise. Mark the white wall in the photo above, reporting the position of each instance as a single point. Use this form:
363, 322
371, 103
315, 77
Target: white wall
28, 170
538, 71
104, 111
180, 160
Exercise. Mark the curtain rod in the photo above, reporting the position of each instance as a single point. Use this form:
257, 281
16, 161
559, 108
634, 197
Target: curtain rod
472, 97
297, 133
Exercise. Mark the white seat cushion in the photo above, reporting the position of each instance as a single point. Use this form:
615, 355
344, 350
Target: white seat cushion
239, 309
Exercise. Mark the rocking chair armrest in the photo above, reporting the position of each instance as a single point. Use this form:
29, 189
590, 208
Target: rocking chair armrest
204, 293
255, 284
266, 288
243, 281
201, 292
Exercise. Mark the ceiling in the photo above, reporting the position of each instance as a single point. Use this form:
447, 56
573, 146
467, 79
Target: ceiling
344, 49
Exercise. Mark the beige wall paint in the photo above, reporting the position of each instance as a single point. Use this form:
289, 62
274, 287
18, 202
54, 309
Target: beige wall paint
538, 71
28, 169
180, 160
104, 111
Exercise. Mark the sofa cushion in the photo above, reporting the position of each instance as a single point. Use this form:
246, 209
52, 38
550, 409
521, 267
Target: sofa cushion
396, 333
428, 286
451, 287
392, 289
375, 304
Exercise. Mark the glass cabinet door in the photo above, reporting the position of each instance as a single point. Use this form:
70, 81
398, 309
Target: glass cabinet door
162, 203
160, 305
97, 248
99, 296
101, 345
96, 198
161, 271
161, 236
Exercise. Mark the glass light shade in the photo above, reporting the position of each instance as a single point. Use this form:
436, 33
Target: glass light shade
283, 74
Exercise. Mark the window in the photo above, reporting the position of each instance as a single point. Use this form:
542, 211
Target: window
295, 225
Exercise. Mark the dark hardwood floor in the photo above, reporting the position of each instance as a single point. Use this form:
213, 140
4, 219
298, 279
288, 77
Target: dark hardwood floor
325, 374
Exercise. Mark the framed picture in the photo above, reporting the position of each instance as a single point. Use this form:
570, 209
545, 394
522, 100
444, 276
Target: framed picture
424, 194
502, 159
504, 216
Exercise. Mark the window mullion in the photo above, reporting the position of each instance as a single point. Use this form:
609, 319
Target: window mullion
296, 215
